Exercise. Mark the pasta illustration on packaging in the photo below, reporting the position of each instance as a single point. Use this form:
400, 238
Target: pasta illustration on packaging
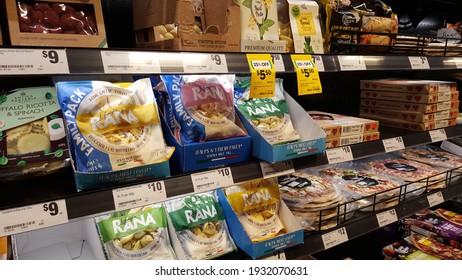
112, 127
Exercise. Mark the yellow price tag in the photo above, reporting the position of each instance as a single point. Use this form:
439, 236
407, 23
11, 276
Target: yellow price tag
262, 81
308, 81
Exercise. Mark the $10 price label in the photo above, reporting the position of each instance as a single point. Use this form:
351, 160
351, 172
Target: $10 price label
338, 155
263, 75
32, 217
139, 195
27, 61
308, 81
211, 180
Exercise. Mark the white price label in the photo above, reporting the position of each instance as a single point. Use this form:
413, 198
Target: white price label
204, 63
211, 180
280, 255
334, 238
338, 155
32, 217
438, 135
458, 62
278, 63
276, 169
115, 62
387, 217
435, 199
351, 62
419, 62
393, 144
139, 195
317, 59
32, 61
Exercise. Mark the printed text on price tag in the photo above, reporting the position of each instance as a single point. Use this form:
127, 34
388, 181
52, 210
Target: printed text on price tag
278, 63
115, 62
280, 255
393, 144
334, 238
351, 63
33, 217
308, 81
435, 199
438, 135
263, 75
317, 59
387, 217
276, 169
204, 63
32, 61
213, 179
338, 155
139, 195
458, 62
419, 62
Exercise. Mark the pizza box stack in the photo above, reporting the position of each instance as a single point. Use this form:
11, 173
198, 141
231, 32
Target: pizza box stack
417, 105
344, 130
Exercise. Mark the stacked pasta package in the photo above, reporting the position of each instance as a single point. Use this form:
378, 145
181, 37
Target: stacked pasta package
417, 105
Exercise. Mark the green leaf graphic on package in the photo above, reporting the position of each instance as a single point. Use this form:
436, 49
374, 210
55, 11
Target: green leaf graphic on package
307, 45
3, 98
3, 159
59, 153
259, 15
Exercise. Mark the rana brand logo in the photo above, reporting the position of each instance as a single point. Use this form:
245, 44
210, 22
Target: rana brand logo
209, 211
256, 197
207, 92
121, 226
262, 108
104, 119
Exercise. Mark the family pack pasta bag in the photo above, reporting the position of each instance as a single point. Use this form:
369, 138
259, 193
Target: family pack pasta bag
200, 226
202, 107
256, 204
269, 116
112, 127
139, 233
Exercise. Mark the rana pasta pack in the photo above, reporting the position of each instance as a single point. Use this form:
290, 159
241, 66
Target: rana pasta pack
111, 127
200, 108
139, 233
269, 116
200, 226
32, 136
256, 204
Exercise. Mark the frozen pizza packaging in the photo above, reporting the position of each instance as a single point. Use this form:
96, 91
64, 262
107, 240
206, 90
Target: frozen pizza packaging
114, 132
409, 86
199, 226
432, 156
404, 249
136, 234
32, 134
260, 222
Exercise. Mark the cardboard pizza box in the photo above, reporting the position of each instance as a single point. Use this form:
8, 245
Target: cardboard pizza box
408, 86
400, 106
393, 114
447, 114
414, 126
351, 139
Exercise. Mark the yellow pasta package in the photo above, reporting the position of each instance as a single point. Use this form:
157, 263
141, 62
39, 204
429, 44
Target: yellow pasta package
3, 248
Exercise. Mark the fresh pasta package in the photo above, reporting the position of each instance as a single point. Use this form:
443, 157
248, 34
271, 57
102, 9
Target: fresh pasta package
136, 234
32, 135
112, 127
256, 204
200, 226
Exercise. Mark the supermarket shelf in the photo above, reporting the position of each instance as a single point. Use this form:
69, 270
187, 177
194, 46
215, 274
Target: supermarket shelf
79, 61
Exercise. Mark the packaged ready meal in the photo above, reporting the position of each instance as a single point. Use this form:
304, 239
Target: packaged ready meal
269, 116
136, 234
112, 127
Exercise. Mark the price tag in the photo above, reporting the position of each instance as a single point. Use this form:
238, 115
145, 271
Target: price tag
33, 61
419, 62
438, 135
139, 195
278, 63
317, 59
334, 238
435, 199
262, 81
393, 144
211, 180
32, 217
116, 62
308, 81
276, 169
340, 154
204, 63
387, 217
279, 255
351, 63
458, 62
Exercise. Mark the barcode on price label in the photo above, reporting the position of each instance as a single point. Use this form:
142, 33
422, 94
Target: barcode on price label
334, 238
139, 195
338, 155
115, 62
278, 63
351, 63
317, 59
276, 169
211, 180
438, 135
32, 217
393, 144
435, 199
387, 217
28, 61
204, 63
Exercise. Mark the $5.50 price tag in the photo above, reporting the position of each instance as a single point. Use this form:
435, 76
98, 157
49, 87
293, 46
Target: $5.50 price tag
263, 75
308, 81
27, 61
334, 238
435, 199
387, 217
139, 195
32, 217
211, 180
338, 155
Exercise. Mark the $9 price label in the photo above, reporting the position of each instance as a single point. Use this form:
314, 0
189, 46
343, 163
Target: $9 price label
211, 180
32, 217
204, 63
334, 238
139, 195
36, 61
263, 75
